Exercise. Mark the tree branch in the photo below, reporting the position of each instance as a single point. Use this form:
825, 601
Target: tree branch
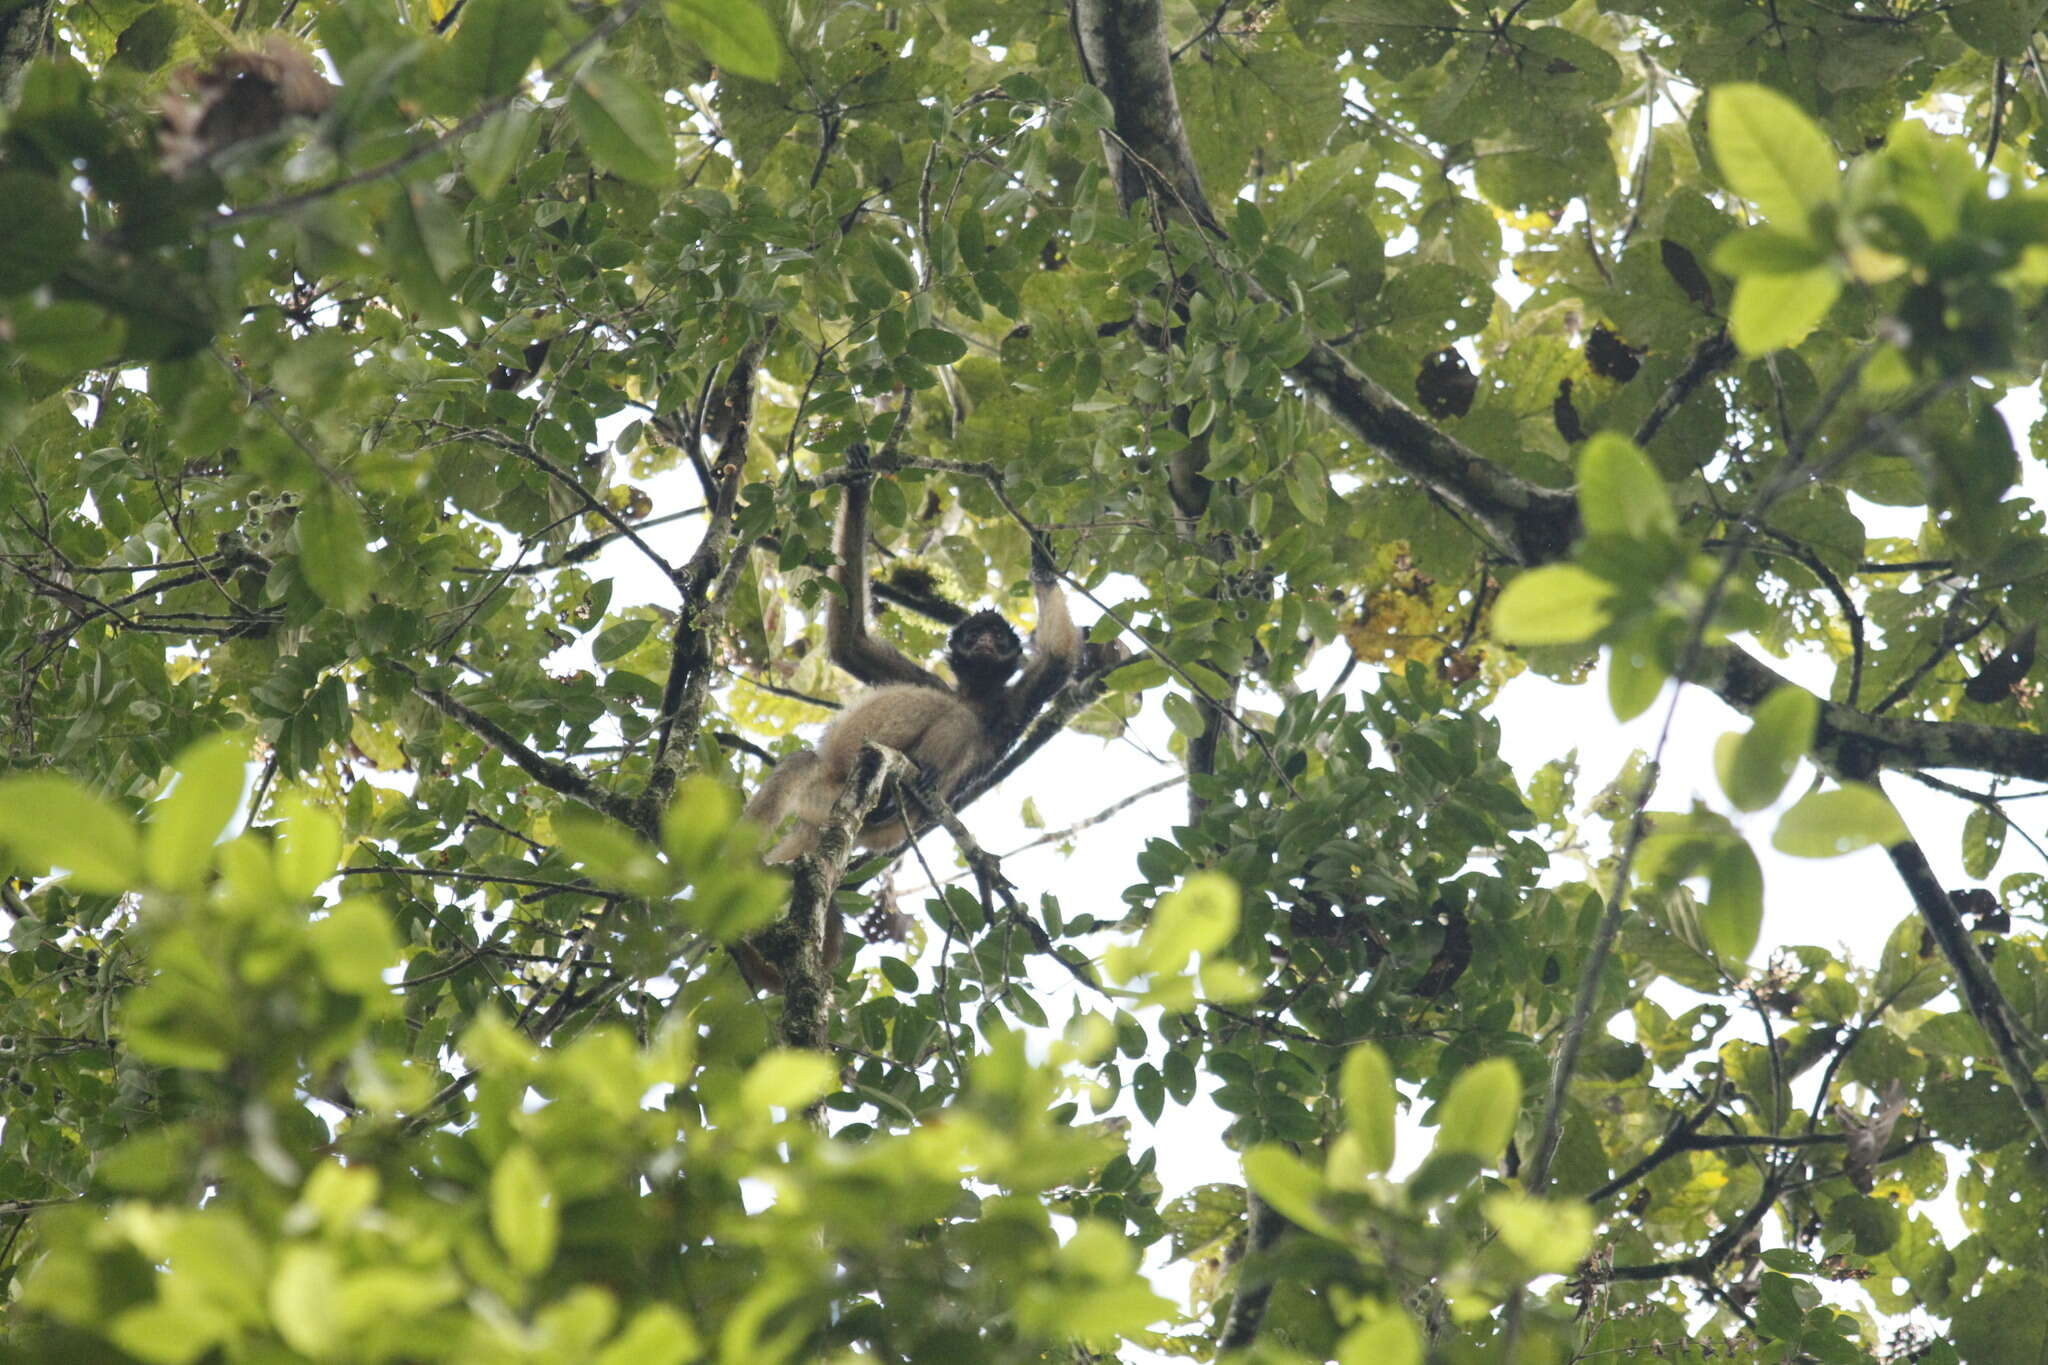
1710, 356
705, 583
1980, 994
553, 774
796, 944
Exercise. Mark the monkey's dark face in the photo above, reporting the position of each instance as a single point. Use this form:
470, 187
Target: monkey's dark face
984, 651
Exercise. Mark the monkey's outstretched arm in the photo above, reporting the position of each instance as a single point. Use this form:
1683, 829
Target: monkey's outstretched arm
1055, 647
873, 661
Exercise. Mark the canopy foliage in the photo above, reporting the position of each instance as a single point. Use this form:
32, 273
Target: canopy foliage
372, 820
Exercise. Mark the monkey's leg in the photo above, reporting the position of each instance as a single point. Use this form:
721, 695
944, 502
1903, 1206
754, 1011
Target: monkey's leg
790, 791
757, 971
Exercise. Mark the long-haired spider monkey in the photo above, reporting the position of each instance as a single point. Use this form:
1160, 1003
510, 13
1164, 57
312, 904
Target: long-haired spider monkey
951, 732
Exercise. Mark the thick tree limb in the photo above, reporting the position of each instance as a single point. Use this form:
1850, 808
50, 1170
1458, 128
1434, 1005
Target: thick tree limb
796, 943
1528, 522
1125, 55
1855, 741
1263, 1226
24, 36
704, 584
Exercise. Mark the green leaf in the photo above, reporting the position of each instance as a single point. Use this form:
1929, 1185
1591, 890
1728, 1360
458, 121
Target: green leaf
170, 1332
1148, 1090
787, 1079
1765, 251
1757, 766
65, 337
612, 855
39, 223
1734, 913
1983, 840
1290, 1185
1367, 1087
178, 841
659, 1334
353, 946
734, 34
495, 150
617, 641
47, 821
1997, 28
935, 346
1771, 312
1559, 604
308, 846
894, 265
696, 823
1139, 674
1199, 917
1551, 1236
1308, 486
524, 1217
1827, 824
303, 1299
424, 249
1478, 1114
333, 554
624, 126
146, 44
494, 44
1635, 672
1184, 715
1389, 1338
1771, 153
1620, 492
